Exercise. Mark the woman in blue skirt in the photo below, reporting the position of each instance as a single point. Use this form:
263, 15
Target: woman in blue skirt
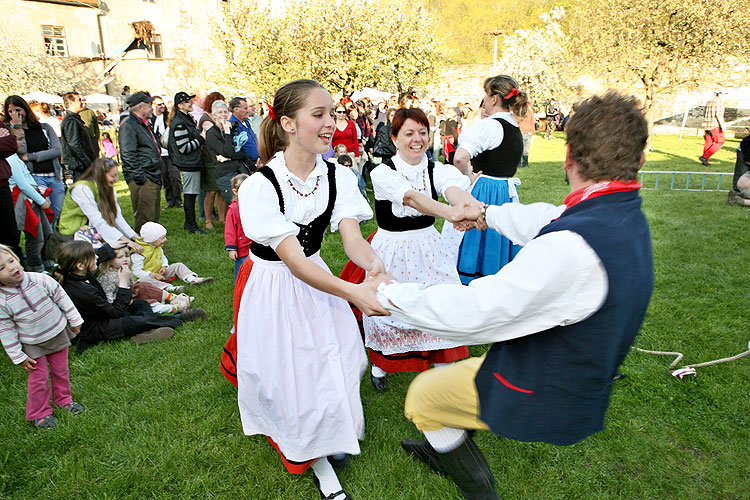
491, 147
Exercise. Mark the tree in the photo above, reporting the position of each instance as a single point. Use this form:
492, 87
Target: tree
537, 58
344, 45
663, 44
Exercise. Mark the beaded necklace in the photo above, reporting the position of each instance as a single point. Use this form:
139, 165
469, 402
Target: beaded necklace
415, 188
305, 195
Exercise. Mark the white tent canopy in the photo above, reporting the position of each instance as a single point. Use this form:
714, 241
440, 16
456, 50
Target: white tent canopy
370, 93
97, 98
43, 97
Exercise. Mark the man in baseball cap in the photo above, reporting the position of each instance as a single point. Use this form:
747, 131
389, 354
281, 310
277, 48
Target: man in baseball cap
181, 97
137, 98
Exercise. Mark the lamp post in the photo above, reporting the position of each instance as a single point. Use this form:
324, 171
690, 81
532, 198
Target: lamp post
494, 34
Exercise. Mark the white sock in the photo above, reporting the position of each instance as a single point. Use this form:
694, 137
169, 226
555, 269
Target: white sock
438, 365
445, 439
377, 372
329, 481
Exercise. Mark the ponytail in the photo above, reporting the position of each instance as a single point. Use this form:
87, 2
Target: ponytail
506, 87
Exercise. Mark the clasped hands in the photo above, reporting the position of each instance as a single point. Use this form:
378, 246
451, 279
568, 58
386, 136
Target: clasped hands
468, 216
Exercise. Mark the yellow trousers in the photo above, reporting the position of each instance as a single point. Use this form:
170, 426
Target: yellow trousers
445, 397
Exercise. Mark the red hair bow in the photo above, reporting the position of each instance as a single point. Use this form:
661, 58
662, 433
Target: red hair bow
271, 113
512, 93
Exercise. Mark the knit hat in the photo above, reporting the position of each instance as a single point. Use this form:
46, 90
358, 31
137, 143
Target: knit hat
152, 231
104, 253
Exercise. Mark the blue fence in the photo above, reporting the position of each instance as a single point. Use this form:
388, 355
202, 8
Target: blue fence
686, 181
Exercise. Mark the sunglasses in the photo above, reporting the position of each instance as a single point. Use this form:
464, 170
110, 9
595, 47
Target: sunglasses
341, 111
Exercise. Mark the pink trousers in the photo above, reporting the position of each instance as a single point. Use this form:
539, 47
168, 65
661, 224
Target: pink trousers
54, 367
714, 139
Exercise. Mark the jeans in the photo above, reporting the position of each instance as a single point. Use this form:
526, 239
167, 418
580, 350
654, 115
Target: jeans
58, 193
237, 264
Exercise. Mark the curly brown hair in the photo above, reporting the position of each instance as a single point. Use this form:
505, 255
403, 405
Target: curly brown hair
607, 136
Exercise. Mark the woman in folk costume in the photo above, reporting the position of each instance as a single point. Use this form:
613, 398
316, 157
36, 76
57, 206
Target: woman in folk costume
299, 352
494, 145
406, 189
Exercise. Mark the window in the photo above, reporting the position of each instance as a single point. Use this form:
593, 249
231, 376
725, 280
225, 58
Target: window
150, 1
156, 48
54, 40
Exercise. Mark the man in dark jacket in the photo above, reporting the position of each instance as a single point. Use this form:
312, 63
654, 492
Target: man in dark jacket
561, 316
78, 152
141, 160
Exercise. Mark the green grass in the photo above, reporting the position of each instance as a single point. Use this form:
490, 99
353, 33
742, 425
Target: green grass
162, 423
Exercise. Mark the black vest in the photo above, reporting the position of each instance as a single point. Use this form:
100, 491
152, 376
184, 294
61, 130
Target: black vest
190, 162
310, 235
503, 160
37, 141
384, 209
554, 385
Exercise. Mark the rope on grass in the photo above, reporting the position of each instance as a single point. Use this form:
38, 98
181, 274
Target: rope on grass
690, 369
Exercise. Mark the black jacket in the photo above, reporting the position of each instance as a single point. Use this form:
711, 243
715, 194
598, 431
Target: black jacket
78, 153
220, 143
185, 143
141, 155
384, 146
99, 316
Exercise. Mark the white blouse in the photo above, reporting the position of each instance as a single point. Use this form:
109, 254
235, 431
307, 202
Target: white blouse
392, 185
485, 134
262, 220
84, 197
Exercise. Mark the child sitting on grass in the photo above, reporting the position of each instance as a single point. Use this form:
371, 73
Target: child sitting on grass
104, 321
235, 241
37, 321
161, 301
152, 263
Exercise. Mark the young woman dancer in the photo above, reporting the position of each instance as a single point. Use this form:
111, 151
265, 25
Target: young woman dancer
299, 353
495, 146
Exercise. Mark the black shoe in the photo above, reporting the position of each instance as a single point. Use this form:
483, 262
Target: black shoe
470, 471
379, 383
340, 462
332, 496
423, 451
704, 161
196, 230
193, 314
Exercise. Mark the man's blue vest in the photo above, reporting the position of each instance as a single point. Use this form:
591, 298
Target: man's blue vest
554, 385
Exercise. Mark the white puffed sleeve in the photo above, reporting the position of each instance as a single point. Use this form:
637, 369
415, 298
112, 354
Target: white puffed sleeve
389, 184
445, 176
350, 204
262, 220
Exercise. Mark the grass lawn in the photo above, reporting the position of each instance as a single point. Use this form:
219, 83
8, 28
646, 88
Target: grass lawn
162, 423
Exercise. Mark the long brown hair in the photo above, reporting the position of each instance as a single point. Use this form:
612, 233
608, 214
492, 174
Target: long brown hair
107, 202
506, 87
287, 101
18, 101
72, 253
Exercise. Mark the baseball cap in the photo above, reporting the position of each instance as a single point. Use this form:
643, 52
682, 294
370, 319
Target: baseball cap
138, 98
181, 97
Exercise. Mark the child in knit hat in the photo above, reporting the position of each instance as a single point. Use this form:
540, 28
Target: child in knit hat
152, 263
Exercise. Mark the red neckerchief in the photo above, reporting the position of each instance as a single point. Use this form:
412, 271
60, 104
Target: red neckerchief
599, 189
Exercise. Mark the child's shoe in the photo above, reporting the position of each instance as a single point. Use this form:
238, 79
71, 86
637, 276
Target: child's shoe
73, 407
182, 302
46, 423
193, 314
175, 289
196, 280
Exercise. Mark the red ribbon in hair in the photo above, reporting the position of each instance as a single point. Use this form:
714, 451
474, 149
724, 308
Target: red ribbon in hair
271, 113
512, 93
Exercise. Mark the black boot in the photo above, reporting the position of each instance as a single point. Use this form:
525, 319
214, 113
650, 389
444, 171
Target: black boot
424, 452
189, 207
470, 471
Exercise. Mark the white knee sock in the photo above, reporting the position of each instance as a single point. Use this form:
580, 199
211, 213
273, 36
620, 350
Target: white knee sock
438, 365
329, 482
377, 372
445, 439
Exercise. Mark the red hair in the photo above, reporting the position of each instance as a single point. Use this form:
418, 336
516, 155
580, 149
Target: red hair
403, 114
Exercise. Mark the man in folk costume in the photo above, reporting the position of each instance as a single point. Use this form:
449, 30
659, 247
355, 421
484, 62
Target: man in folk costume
562, 315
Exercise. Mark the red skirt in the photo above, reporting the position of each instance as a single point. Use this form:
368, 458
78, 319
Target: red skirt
415, 361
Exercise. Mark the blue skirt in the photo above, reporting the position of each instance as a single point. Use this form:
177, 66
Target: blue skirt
483, 253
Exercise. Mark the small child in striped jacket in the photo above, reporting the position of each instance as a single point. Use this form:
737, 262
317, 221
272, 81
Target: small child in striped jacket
37, 321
